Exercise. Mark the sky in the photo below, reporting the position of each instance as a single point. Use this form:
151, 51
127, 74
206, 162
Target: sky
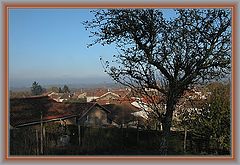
50, 46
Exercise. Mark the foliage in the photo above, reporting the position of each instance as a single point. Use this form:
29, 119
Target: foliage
165, 55
219, 120
60, 90
97, 141
36, 89
212, 119
66, 89
56, 128
19, 94
23, 141
55, 89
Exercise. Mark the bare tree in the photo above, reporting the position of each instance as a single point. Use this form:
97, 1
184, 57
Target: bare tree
164, 55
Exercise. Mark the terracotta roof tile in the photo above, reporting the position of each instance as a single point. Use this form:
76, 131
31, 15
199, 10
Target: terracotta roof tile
27, 110
121, 113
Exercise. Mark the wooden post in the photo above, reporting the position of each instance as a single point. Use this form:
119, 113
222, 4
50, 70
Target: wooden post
122, 139
41, 136
37, 152
25, 145
185, 140
79, 134
44, 137
137, 132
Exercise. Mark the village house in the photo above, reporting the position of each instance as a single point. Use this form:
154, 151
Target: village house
41, 113
28, 111
60, 97
123, 115
103, 95
34, 110
93, 94
192, 102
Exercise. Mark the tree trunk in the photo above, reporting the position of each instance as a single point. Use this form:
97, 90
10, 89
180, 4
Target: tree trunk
165, 135
167, 121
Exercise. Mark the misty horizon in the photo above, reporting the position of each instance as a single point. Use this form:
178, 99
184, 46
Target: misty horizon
74, 82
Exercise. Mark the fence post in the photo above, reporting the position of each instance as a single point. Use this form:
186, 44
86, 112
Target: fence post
138, 133
185, 140
37, 142
44, 138
25, 145
79, 135
41, 136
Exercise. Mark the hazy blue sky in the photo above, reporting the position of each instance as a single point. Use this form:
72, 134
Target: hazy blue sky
50, 46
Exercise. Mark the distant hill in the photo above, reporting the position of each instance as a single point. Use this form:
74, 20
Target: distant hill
88, 82
20, 89
72, 85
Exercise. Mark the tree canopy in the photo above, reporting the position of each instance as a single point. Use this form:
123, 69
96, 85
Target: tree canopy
66, 89
211, 118
194, 46
219, 121
36, 89
165, 55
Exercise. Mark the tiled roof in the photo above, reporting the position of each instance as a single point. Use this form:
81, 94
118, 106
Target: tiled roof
96, 92
101, 91
121, 113
121, 93
28, 110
